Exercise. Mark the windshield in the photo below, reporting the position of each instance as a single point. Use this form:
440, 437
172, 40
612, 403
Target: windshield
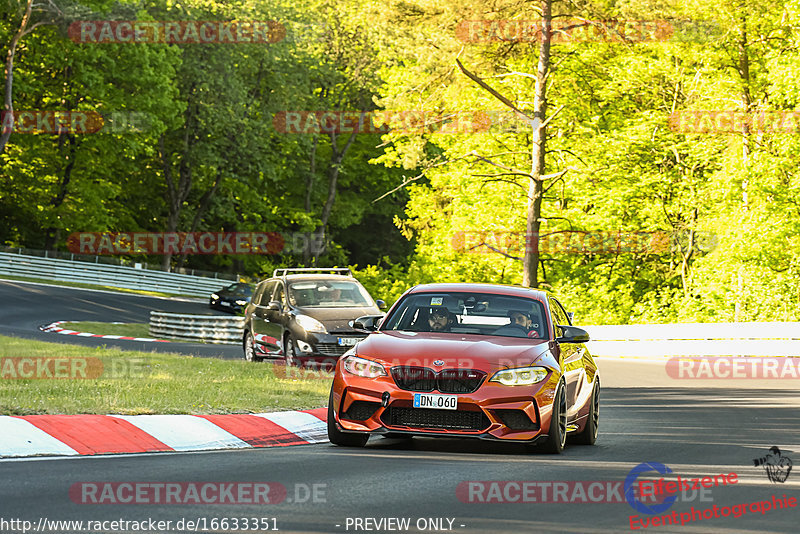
328, 294
244, 290
469, 313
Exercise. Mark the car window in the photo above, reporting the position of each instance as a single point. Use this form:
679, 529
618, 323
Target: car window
328, 294
563, 315
266, 295
469, 313
279, 295
559, 317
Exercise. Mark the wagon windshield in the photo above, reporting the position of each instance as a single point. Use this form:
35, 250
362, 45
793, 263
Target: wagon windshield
469, 313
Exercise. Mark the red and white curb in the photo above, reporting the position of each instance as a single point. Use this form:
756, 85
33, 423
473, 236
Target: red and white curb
75, 435
56, 329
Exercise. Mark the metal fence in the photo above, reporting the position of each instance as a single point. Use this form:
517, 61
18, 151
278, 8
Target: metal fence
107, 275
206, 328
695, 339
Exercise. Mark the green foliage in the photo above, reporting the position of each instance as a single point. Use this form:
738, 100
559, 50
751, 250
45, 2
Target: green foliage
725, 204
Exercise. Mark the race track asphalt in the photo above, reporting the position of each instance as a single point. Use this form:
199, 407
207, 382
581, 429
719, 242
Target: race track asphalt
24, 307
693, 428
695, 432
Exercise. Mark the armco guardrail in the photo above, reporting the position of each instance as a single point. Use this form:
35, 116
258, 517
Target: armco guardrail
207, 328
107, 275
695, 339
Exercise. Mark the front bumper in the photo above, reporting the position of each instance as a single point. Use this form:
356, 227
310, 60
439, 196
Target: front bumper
493, 411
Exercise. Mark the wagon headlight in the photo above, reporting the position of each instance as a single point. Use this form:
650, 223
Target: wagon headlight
214, 296
241, 302
362, 367
521, 376
309, 324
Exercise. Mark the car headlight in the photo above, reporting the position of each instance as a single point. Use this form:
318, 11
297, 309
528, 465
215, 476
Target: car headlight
241, 302
214, 296
309, 324
521, 376
363, 367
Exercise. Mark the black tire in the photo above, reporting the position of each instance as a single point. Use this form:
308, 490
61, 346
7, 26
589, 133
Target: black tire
557, 433
337, 437
290, 352
588, 435
250, 349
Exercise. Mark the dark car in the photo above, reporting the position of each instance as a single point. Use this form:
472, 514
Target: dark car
306, 316
468, 360
233, 298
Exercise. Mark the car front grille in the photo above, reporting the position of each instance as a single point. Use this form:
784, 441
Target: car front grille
446, 381
414, 378
424, 418
459, 380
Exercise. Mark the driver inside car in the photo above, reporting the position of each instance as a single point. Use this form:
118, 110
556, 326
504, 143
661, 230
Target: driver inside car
440, 320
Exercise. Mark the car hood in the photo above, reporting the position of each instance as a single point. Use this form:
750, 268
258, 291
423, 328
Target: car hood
466, 351
338, 318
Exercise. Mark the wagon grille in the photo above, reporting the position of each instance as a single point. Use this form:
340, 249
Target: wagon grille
332, 349
446, 381
435, 419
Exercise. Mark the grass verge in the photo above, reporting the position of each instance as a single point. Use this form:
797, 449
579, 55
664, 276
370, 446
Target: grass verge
109, 329
132, 382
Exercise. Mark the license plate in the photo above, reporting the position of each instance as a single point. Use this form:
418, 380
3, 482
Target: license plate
348, 341
439, 402
225, 303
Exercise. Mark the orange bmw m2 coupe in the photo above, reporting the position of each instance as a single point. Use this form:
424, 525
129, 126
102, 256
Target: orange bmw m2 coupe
468, 360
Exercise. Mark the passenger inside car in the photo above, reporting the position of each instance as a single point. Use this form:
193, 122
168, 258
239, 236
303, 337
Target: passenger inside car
520, 325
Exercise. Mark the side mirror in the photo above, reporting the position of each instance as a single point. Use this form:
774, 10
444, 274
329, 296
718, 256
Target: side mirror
573, 334
367, 322
274, 306
381, 304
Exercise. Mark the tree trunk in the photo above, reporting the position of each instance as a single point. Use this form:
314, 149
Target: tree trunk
202, 207
337, 156
307, 205
530, 262
8, 105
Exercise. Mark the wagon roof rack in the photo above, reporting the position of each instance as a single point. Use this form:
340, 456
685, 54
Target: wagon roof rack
345, 271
